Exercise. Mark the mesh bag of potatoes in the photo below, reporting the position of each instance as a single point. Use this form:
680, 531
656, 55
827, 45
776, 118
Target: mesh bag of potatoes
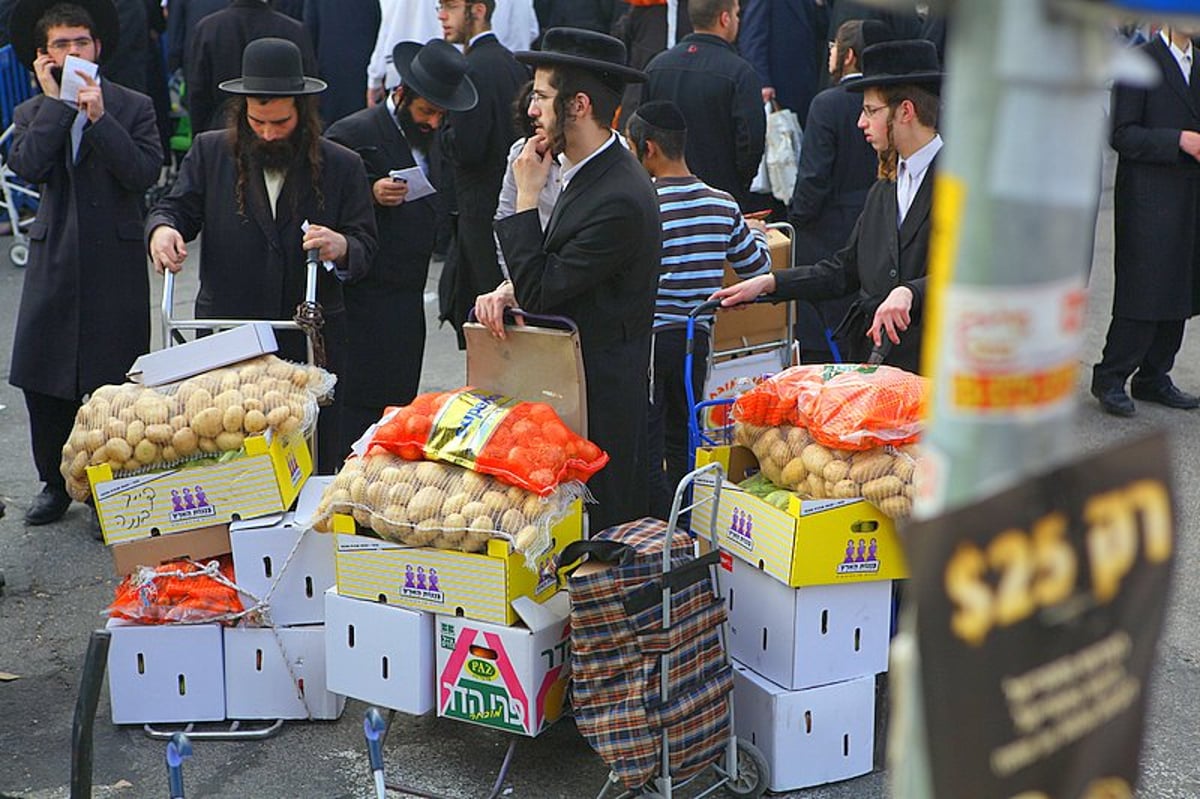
792, 459
848, 406
440, 505
134, 428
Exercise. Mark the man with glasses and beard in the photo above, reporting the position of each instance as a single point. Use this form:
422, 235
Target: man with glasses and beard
264, 191
386, 309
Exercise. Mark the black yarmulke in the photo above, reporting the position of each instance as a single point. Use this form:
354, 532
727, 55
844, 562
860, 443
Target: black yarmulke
662, 114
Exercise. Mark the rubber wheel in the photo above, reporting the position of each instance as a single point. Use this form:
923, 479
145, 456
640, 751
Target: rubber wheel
753, 772
18, 253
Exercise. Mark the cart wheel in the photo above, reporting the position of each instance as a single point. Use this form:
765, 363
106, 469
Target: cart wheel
18, 253
753, 772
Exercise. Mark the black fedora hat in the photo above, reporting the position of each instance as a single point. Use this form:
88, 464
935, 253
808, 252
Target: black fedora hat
22, 26
436, 71
576, 47
899, 62
272, 67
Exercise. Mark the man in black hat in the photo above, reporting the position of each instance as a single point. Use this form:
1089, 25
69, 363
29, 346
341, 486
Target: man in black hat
386, 309
84, 313
597, 260
883, 264
264, 191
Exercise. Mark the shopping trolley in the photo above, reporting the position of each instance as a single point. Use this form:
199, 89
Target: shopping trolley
16, 86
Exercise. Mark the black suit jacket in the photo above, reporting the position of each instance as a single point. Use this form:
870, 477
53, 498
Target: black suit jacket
877, 258
597, 263
385, 309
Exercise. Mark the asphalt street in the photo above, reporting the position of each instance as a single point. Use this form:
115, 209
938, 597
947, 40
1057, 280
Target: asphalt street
59, 579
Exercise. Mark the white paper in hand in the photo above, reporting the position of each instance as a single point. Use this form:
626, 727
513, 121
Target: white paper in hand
71, 81
418, 185
329, 267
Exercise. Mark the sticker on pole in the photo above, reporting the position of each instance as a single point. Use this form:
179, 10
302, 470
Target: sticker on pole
1039, 612
1011, 353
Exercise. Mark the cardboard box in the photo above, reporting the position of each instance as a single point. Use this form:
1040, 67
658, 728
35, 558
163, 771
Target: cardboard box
198, 545
266, 480
761, 323
813, 542
380, 654
277, 558
165, 673
809, 737
508, 678
802, 637
478, 586
278, 674
173, 364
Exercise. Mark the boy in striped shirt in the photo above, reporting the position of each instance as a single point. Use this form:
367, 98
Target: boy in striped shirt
702, 228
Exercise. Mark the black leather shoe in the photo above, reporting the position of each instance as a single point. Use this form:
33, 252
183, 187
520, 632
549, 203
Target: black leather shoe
48, 506
1170, 396
1114, 400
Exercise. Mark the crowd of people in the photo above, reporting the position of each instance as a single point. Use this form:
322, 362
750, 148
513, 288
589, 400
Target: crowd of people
614, 195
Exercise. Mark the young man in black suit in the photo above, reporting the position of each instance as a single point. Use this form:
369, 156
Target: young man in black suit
597, 261
476, 141
883, 264
385, 310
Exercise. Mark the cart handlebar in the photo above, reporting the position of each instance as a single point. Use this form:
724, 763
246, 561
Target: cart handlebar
543, 320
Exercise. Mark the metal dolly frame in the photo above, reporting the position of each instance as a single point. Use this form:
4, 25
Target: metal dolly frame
10, 191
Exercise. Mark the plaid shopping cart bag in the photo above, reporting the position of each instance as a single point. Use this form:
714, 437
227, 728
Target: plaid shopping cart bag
617, 646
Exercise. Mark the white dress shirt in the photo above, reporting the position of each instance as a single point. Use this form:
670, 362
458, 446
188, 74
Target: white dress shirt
1182, 57
910, 174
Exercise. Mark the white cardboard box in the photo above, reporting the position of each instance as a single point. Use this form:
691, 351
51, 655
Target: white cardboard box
259, 683
380, 654
508, 678
261, 547
811, 736
165, 673
803, 637
204, 354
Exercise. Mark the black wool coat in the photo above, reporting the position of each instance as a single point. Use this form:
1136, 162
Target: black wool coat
1156, 198
343, 33
84, 314
877, 258
597, 263
385, 310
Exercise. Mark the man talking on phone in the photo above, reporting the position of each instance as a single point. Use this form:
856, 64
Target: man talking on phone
85, 307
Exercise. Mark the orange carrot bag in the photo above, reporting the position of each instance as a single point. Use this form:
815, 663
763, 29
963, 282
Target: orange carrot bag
179, 591
524, 444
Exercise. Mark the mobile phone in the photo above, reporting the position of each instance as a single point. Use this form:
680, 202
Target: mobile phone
763, 214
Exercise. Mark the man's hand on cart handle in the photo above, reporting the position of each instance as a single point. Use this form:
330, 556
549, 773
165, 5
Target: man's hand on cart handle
490, 307
893, 316
745, 291
329, 243
167, 249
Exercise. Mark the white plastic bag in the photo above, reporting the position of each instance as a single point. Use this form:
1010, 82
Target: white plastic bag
782, 153
762, 180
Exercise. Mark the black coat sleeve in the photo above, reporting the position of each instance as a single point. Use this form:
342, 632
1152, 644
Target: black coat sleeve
41, 130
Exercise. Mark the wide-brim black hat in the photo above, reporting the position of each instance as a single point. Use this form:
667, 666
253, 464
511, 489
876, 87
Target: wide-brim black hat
436, 71
23, 20
576, 47
900, 62
272, 68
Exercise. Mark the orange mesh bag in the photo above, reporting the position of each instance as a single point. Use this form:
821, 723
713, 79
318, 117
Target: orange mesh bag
844, 406
524, 444
178, 591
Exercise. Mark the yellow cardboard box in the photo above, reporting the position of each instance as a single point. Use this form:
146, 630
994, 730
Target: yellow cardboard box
479, 586
813, 542
265, 480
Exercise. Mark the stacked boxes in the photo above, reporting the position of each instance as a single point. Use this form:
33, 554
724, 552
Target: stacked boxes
809, 593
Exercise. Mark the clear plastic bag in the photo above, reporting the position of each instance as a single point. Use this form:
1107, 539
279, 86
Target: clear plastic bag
180, 591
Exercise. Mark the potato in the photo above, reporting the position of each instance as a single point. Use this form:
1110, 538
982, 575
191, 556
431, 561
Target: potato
207, 445
455, 521
396, 514
78, 468
846, 489
289, 425
448, 539
358, 488
816, 486
228, 379
250, 372
780, 453
512, 521
178, 421
868, 465
169, 454
423, 533
896, 507
229, 442
426, 504
361, 515
135, 431
131, 465
119, 449
483, 524
159, 433
279, 369
402, 493
93, 440
98, 411
227, 399
127, 415
474, 483
152, 408
185, 441
836, 471
272, 400
903, 467
199, 400
474, 509
429, 473
455, 502
495, 502
299, 377
533, 506
773, 472
794, 473
526, 538
797, 439
277, 416
231, 420
815, 457
114, 428
253, 422
207, 423
883, 487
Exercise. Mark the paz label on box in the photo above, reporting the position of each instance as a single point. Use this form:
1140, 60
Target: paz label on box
509, 678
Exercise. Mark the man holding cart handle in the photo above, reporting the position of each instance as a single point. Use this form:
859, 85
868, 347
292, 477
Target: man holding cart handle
264, 191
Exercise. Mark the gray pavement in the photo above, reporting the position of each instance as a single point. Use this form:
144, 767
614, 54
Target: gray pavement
59, 579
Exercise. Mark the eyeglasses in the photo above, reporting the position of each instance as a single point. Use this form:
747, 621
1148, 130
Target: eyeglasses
62, 45
870, 111
541, 97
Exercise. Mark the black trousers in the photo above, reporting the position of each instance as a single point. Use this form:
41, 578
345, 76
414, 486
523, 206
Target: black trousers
50, 423
1141, 348
667, 443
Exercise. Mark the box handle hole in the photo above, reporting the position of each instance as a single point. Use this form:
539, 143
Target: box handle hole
385, 667
267, 565
182, 685
825, 622
764, 641
300, 685
350, 635
865, 526
308, 586
846, 745
731, 600
141, 667
857, 639
808, 722
383, 599
258, 657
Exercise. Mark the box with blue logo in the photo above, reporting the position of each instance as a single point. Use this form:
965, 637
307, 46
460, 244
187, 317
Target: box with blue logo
813, 542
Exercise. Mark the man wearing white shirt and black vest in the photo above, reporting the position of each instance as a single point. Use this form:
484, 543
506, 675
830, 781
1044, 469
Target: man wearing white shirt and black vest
883, 264
1156, 211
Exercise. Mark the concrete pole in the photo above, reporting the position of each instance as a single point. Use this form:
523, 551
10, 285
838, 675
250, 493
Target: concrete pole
1015, 207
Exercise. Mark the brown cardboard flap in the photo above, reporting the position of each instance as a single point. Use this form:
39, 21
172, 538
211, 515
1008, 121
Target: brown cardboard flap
758, 324
535, 364
207, 542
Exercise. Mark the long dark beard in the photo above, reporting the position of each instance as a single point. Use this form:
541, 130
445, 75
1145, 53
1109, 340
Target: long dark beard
419, 137
273, 155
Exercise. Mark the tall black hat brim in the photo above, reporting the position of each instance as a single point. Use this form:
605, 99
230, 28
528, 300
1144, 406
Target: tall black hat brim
538, 58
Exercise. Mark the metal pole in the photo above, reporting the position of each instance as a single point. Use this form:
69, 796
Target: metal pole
1015, 207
